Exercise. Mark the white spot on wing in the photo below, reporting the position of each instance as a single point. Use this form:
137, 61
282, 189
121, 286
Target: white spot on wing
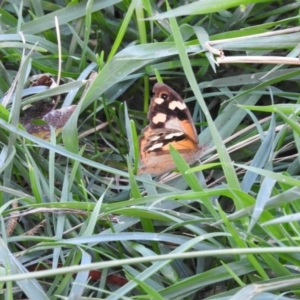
159, 100
155, 146
160, 117
154, 138
177, 104
171, 135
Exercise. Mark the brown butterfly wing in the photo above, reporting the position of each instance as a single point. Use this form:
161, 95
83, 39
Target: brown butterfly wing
170, 124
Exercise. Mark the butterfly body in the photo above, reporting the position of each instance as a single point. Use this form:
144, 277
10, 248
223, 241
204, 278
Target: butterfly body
170, 124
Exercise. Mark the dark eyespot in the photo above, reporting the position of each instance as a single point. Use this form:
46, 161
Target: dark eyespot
164, 96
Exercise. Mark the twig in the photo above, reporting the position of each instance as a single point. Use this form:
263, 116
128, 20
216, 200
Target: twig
222, 59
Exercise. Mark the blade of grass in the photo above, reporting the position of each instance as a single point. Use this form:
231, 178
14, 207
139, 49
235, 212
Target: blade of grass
224, 156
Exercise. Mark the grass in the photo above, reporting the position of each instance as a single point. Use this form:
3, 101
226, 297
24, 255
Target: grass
77, 223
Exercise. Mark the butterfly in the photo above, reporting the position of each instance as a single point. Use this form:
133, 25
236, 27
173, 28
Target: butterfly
170, 124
